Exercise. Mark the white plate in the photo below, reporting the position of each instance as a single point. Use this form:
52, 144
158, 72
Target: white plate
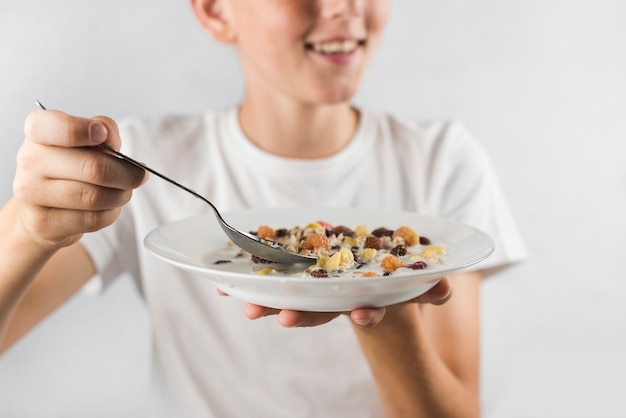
191, 243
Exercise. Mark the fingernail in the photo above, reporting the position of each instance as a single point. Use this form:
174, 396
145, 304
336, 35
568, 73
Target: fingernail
362, 322
97, 132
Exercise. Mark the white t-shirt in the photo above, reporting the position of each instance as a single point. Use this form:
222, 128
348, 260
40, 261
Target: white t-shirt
219, 363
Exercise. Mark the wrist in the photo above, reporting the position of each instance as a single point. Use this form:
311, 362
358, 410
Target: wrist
15, 232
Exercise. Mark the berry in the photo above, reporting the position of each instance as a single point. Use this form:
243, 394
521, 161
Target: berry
418, 265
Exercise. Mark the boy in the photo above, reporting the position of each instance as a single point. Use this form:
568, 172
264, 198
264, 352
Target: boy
303, 62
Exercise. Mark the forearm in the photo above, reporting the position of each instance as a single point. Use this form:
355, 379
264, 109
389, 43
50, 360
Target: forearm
20, 261
412, 378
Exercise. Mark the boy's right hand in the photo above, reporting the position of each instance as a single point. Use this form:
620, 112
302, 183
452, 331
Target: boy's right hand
65, 185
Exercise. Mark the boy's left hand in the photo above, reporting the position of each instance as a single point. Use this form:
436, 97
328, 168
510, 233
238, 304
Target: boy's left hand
363, 317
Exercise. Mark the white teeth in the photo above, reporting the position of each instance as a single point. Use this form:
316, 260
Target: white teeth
336, 47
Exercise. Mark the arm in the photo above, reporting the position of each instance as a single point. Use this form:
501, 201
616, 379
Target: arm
63, 188
425, 358
423, 354
35, 282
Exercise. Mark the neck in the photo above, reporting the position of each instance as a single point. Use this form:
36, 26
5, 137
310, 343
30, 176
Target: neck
297, 130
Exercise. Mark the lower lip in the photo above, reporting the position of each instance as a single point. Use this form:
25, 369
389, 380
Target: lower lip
338, 59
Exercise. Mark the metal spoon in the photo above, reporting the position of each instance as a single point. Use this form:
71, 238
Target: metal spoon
266, 249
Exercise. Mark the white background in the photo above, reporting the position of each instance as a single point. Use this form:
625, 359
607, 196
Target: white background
541, 83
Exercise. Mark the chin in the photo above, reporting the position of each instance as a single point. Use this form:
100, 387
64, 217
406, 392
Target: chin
338, 95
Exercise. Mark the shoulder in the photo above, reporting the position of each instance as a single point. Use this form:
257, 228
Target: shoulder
168, 127
168, 134
434, 139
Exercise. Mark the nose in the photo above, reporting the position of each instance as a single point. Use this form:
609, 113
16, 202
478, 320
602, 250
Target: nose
334, 9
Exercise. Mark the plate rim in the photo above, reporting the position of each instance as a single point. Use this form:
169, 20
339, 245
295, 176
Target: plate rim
158, 251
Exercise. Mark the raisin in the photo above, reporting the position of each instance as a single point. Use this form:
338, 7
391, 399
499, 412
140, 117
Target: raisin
341, 229
418, 265
382, 232
319, 273
373, 242
398, 250
424, 241
258, 260
282, 232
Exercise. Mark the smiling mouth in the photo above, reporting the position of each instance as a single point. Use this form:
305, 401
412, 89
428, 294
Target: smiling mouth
335, 47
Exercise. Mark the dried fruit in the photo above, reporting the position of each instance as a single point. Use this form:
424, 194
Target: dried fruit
319, 273
424, 241
418, 265
398, 250
258, 260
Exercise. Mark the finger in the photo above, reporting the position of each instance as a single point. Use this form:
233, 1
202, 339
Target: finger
367, 317
253, 311
68, 194
222, 293
113, 134
89, 165
289, 318
438, 294
52, 127
55, 225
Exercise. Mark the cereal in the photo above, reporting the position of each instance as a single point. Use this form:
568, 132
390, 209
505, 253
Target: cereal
266, 232
342, 251
367, 255
409, 236
391, 263
316, 241
373, 242
433, 251
361, 230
